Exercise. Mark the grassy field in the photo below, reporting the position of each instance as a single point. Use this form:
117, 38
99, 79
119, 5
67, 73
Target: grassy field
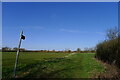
51, 65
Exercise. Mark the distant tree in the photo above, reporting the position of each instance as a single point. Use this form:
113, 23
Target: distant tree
91, 49
69, 51
86, 49
6, 49
22, 49
53, 50
44, 50
48, 51
15, 49
78, 50
41, 50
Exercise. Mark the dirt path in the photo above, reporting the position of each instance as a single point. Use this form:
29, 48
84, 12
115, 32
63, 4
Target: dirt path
71, 54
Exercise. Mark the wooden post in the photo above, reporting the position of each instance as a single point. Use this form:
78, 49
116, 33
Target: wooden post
17, 55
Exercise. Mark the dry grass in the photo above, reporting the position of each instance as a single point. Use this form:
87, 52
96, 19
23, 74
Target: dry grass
110, 72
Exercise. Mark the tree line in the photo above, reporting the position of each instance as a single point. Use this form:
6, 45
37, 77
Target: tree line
78, 50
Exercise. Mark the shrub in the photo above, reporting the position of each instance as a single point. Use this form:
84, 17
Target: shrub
107, 51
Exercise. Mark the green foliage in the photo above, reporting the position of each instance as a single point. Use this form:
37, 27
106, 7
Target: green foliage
107, 51
78, 50
6, 48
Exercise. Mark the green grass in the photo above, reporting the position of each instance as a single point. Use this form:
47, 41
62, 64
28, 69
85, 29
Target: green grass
51, 65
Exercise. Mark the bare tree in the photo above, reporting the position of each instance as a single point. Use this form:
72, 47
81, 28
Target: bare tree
112, 33
78, 50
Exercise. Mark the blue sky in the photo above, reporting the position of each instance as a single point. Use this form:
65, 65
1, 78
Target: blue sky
57, 26
0, 24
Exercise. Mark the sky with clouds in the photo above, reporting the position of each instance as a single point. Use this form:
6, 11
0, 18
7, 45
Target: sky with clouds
57, 26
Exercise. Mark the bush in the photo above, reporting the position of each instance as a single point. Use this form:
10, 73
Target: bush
107, 51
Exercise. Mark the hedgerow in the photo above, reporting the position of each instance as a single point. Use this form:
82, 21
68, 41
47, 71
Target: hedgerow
108, 51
